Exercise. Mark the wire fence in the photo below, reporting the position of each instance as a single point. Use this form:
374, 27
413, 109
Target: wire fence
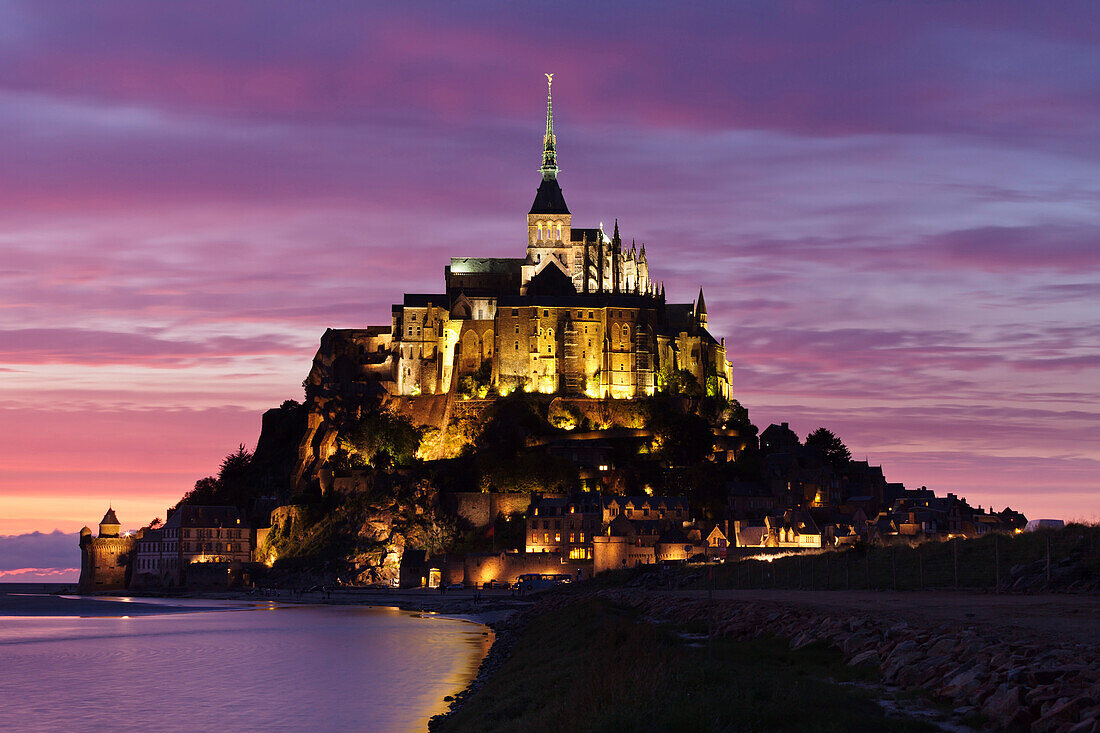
1064, 560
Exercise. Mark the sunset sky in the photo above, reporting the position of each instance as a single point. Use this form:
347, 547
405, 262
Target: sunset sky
893, 209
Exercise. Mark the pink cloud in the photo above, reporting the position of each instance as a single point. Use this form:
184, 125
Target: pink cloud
884, 203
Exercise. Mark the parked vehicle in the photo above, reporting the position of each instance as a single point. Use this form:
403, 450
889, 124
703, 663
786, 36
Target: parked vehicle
537, 581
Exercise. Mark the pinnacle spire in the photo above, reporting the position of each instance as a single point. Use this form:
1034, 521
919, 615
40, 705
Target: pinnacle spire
549, 153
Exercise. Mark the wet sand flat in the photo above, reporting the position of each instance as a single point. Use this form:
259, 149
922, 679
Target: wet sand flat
18, 604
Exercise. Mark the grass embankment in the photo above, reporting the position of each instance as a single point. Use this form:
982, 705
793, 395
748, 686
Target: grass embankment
595, 667
972, 564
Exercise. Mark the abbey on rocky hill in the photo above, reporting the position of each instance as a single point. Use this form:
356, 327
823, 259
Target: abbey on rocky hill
579, 315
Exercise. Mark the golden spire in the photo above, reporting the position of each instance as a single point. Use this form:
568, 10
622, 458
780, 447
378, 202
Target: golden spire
549, 154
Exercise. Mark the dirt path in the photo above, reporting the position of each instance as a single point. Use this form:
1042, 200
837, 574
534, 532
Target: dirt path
1061, 618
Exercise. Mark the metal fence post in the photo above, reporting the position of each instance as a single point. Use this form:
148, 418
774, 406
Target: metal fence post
955, 553
997, 561
1048, 559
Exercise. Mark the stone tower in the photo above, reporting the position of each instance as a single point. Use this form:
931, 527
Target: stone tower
105, 560
549, 223
109, 525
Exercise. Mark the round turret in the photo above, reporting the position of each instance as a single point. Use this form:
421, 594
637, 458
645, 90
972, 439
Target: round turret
85, 531
109, 526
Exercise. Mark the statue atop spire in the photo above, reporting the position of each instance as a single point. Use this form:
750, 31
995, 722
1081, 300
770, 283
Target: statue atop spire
549, 154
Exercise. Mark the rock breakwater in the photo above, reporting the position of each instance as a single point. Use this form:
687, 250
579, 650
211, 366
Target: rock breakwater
1010, 682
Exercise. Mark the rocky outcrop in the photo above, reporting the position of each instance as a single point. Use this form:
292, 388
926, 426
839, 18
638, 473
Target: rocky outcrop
1070, 574
360, 538
1011, 683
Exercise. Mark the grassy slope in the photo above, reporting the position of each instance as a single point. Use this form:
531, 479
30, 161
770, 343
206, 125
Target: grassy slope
884, 567
594, 667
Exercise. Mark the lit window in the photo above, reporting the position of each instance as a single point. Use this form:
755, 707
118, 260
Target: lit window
557, 537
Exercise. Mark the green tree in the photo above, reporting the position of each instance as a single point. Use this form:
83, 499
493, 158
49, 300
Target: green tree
830, 447
207, 491
681, 439
380, 438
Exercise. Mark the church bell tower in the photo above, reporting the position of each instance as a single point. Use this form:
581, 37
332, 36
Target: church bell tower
549, 223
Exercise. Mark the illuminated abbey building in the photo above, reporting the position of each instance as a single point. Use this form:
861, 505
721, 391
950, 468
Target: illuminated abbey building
579, 314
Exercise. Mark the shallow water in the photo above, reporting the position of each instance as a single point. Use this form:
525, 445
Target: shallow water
242, 668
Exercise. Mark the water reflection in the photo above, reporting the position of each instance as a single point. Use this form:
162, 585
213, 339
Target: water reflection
329, 668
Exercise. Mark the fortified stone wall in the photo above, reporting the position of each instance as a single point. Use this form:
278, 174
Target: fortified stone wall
105, 563
480, 508
613, 553
508, 566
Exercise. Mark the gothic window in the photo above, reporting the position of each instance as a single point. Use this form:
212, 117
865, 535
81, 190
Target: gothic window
549, 333
626, 333
517, 328
549, 349
559, 230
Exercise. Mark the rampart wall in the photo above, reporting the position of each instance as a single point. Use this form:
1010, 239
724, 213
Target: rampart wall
508, 566
480, 508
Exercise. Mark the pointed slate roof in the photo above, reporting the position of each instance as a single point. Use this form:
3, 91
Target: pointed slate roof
549, 199
110, 518
700, 305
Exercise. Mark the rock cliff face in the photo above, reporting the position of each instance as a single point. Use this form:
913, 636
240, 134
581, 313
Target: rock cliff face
346, 381
361, 537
